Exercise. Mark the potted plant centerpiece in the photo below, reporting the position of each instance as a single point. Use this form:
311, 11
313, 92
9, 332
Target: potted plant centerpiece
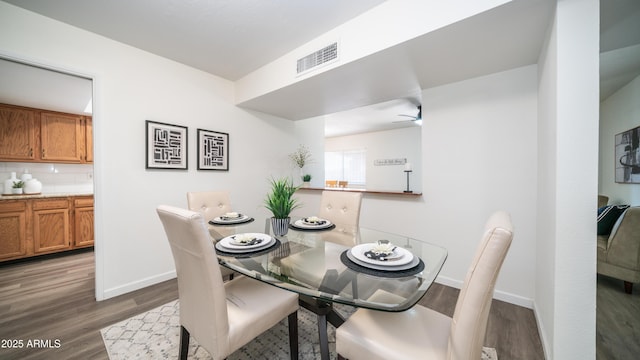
280, 202
17, 187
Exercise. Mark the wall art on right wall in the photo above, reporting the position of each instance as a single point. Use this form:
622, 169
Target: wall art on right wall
627, 153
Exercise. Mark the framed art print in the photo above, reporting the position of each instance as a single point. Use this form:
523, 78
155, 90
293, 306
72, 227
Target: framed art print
166, 146
213, 150
627, 156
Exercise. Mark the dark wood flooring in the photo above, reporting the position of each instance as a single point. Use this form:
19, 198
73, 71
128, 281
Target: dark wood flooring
52, 300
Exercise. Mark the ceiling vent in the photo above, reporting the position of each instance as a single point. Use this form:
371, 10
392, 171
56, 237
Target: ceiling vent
317, 58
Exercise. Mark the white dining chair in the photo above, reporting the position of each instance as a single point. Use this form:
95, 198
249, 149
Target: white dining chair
341, 208
221, 316
212, 204
422, 333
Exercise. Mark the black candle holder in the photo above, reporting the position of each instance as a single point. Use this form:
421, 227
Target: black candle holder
408, 191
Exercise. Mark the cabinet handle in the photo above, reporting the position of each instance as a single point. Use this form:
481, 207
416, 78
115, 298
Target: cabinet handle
43, 153
30, 152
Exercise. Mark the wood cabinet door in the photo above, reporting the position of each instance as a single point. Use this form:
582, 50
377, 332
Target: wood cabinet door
62, 137
51, 230
84, 227
17, 133
13, 230
88, 143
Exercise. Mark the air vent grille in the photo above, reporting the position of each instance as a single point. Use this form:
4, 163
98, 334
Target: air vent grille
317, 58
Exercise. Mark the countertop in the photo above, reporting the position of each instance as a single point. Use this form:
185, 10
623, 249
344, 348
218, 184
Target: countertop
42, 195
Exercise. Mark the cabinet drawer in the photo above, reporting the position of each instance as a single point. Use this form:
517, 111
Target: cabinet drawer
12, 206
50, 204
83, 202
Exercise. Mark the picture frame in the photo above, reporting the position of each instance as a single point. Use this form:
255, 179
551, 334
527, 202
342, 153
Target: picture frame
627, 156
213, 150
166, 146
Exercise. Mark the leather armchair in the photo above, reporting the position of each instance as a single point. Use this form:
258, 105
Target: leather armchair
619, 252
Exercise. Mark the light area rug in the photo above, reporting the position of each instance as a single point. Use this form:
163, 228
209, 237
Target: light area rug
155, 334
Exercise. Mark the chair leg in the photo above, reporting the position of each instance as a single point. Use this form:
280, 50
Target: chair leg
628, 287
184, 343
293, 335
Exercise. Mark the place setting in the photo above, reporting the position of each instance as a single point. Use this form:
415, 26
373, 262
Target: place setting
382, 259
231, 218
312, 223
246, 244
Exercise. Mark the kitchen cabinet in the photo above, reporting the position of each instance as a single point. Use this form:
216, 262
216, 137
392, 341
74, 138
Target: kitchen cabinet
13, 229
62, 137
83, 218
36, 135
17, 133
39, 226
51, 225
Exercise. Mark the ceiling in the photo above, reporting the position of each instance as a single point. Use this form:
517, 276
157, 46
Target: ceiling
231, 38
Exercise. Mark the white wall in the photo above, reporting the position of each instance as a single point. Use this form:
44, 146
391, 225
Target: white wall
567, 177
402, 143
618, 113
131, 86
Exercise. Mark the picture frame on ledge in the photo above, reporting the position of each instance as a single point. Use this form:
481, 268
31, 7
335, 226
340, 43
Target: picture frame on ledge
213, 150
627, 156
166, 146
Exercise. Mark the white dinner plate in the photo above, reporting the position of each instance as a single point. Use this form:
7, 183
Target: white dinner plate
413, 263
230, 243
400, 257
224, 220
305, 225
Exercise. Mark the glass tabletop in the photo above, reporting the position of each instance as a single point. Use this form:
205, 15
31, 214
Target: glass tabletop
330, 264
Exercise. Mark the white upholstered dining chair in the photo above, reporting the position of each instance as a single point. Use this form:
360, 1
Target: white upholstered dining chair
341, 208
212, 204
221, 316
421, 333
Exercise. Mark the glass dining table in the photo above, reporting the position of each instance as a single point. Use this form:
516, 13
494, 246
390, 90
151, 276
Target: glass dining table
333, 265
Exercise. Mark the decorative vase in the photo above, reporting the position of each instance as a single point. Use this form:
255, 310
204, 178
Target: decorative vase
306, 184
32, 186
8, 184
280, 226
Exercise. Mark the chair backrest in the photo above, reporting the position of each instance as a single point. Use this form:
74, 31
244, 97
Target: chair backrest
210, 203
341, 208
469, 324
203, 308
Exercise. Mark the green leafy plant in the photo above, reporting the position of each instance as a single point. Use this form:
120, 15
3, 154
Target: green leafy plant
280, 200
18, 184
306, 177
301, 156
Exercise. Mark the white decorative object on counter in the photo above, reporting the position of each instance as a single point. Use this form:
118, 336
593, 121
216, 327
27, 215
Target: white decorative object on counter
32, 186
26, 176
8, 184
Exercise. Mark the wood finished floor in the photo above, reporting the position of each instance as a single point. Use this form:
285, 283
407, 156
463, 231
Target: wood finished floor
49, 299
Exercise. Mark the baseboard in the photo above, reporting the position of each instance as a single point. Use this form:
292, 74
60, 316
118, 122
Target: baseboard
542, 332
139, 284
498, 295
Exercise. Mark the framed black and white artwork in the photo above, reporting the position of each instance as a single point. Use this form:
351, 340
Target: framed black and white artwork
627, 153
166, 146
213, 150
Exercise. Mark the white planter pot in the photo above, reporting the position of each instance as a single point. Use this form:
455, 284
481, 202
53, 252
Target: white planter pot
16, 190
280, 226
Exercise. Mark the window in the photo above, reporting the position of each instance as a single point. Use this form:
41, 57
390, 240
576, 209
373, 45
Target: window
347, 165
